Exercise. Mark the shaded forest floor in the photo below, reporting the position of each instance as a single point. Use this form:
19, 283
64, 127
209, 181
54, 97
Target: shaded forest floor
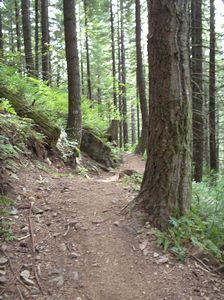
83, 248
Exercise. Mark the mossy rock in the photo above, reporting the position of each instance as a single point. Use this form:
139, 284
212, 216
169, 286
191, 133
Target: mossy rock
96, 148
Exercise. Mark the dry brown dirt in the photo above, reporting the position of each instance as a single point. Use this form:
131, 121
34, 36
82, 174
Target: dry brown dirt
83, 248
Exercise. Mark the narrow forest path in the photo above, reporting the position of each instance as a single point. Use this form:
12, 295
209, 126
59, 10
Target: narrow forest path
87, 250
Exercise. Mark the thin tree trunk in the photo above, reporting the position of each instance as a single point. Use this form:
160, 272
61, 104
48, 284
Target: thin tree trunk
74, 123
166, 187
197, 89
37, 37
212, 84
1, 35
133, 125
142, 144
123, 79
89, 83
25, 4
11, 37
114, 123
119, 82
18, 33
45, 40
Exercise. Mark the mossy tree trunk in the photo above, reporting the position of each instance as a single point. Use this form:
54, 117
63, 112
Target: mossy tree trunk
197, 88
24, 109
74, 123
166, 186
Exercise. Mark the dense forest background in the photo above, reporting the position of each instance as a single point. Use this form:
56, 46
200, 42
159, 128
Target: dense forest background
87, 65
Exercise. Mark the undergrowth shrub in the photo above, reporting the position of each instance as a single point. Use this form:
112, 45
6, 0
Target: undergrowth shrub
203, 226
5, 226
54, 101
15, 135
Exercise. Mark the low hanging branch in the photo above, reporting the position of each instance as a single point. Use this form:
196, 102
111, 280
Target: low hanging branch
24, 109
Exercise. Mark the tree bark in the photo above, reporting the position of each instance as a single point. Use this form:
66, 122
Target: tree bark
123, 78
37, 37
212, 84
45, 40
18, 33
119, 80
142, 144
166, 186
25, 5
1, 35
197, 88
74, 123
89, 83
114, 123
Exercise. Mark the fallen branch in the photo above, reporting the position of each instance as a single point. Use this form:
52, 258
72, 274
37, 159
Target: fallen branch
33, 248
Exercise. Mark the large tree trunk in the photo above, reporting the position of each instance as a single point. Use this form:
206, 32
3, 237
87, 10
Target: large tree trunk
24, 109
197, 89
212, 102
25, 4
166, 186
74, 123
45, 40
141, 147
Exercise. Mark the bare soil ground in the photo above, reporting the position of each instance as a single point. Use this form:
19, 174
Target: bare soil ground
83, 248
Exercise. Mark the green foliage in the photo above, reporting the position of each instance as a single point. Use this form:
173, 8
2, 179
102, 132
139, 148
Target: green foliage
53, 101
15, 138
134, 181
5, 226
82, 171
203, 227
94, 117
67, 147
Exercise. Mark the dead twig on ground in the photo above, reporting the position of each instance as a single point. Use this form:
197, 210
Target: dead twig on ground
34, 248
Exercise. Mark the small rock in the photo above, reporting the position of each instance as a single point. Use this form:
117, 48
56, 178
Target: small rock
3, 279
162, 260
76, 275
59, 280
155, 254
55, 214
74, 255
63, 247
116, 223
3, 260
25, 229
25, 274
2, 272
4, 247
145, 252
35, 291
36, 210
78, 298
98, 221
23, 244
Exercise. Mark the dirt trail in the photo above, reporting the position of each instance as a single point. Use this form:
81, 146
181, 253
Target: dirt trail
87, 250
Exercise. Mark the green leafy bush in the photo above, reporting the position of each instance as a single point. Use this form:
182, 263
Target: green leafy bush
54, 101
5, 226
203, 227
